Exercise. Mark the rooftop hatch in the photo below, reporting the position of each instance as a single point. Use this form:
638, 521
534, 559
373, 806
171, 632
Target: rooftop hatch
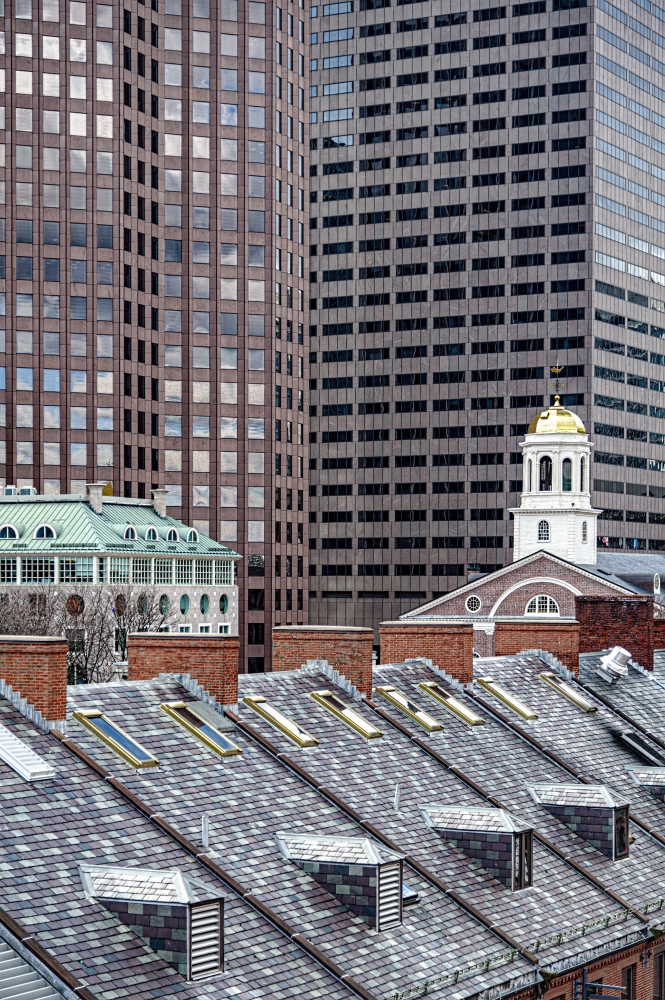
453, 704
502, 694
287, 726
115, 738
568, 691
409, 708
189, 716
340, 710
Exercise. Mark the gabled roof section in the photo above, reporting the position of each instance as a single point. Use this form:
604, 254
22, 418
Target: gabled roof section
474, 819
334, 850
589, 572
80, 529
585, 796
142, 885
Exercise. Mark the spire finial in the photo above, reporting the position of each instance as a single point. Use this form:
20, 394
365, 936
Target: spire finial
557, 400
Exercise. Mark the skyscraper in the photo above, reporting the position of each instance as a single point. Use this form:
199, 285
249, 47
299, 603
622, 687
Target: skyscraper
488, 211
144, 149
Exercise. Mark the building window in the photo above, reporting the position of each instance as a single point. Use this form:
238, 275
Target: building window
545, 474
543, 531
628, 982
530, 476
583, 476
585, 533
567, 475
542, 605
473, 604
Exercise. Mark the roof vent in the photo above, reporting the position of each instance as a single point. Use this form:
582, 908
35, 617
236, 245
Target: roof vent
22, 759
180, 918
371, 882
11, 491
590, 811
27, 491
614, 665
651, 778
642, 748
493, 838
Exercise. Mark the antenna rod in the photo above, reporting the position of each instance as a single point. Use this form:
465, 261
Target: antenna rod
398, 795
205, 830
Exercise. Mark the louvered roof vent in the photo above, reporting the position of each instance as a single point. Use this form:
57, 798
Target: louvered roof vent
593, 812
494, 838
371, 883
22, 759
20, 980
180, 917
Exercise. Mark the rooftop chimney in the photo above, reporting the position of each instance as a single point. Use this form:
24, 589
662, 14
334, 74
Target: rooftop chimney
159, 501
95, 496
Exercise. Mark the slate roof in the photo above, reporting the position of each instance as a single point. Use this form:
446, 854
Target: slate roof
79, 528
48, 828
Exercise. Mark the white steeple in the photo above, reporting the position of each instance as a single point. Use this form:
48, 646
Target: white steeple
555, 513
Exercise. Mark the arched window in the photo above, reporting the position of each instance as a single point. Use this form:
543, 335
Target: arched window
567, 475
543, 531
44, 531
585, 533
8, 531
172, 535
542, 605
192, 535
130, 533
151, 535
545, 474
530, 476
583, 476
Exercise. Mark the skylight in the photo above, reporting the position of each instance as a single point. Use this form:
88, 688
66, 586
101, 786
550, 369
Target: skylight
340, 710
186, 716
287, 726
453, 704
115, 738
410, 709
568, 691
22, 759
500, 692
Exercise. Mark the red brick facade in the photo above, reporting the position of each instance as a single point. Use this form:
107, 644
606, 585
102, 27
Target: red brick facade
617, 621
449, 646
211, 660
659, 633
36, 666
561, 639
347, 649
644, 980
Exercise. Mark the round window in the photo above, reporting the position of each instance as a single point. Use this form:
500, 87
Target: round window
223, 604
75, 605
204, 604
163, 605
473, 604
184, 604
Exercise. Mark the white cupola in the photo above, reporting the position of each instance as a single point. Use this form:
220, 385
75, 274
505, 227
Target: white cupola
555, 513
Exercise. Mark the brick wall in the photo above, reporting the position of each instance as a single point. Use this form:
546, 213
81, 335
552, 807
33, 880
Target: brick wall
659, 633
610, 971
556, 637
347, 649
449, 646
36, 666
211, 660
617, 621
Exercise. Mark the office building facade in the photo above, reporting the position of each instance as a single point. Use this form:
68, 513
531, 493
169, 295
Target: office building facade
153, 270
488, 230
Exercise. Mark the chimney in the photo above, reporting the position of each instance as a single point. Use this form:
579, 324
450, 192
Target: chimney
210, 660
159, 501
448, 645
95, 496
36, 668
347, 649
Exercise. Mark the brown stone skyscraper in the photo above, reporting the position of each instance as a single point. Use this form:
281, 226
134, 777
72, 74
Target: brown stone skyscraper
154, 225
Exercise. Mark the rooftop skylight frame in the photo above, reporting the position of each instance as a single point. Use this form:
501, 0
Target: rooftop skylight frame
567, 691
409, 708
501, 693
112, 736
354, 720
185, 715
281, 722
453, 704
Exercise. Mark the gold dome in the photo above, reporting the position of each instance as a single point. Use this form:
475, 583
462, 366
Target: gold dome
556, 420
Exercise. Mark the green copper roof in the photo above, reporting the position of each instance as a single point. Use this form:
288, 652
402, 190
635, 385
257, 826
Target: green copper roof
79, 529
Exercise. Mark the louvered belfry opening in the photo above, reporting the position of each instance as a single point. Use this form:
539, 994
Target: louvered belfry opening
593, 812
493, 838
180, 918
363, 875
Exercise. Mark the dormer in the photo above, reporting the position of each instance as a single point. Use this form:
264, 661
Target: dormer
172, 535
151, 535
358, 872
193, 536
8, 531
130, 534
593, 812
493, 838
45, 531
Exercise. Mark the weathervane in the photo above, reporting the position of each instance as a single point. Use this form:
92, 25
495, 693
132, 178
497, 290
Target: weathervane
557, 384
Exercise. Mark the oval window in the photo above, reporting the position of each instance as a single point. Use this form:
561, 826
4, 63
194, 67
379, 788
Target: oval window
184, 604
75, 605
163, 605
142, 604
223, 604
204, 604
473, 604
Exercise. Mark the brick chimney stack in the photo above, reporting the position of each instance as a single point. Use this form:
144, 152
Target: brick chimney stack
347, 649
159, 501
36, 668
211, 660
